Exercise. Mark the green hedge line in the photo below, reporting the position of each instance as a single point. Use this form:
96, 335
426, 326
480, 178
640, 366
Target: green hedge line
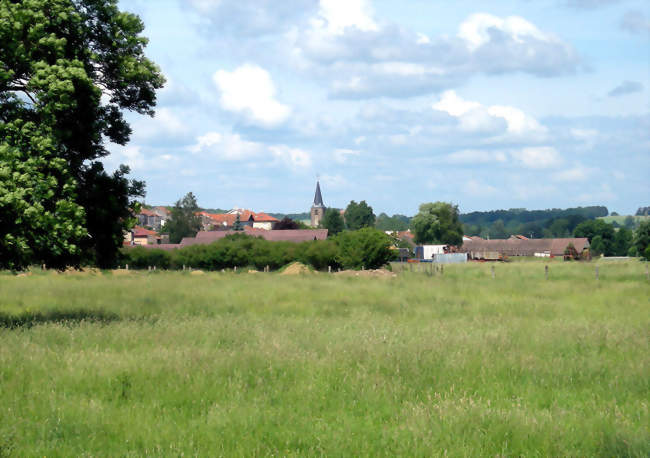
367, 248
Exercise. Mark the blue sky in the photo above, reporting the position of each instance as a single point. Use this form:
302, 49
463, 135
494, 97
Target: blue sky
490, 104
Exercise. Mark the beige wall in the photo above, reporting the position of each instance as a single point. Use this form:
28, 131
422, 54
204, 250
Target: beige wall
267, 226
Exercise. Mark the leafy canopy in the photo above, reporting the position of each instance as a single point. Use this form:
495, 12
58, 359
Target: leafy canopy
333, 221
184, 221
438, 223
359, 215
68, 69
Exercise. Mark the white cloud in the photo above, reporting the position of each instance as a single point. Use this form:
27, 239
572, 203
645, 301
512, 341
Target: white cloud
470, 156
334, 181
478, 189
249, 90
541, 157
293, 157
474, 117
342, 155
229, 147
476, 29
577, 173
137, 159
337, 15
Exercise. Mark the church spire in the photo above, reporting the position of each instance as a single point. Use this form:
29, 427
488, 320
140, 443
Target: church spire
318, 198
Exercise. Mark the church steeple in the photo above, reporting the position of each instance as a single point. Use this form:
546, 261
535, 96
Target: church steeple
318, 208
318, 198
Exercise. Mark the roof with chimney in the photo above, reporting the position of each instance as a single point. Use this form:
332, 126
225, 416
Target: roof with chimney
318, 198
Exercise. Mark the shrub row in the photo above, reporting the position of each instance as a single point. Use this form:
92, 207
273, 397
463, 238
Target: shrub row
367, 248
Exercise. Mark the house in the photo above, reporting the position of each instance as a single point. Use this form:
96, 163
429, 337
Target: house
225, 221
143, 236
153, 218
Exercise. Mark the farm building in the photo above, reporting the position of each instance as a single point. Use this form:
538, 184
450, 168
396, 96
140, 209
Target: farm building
517, 246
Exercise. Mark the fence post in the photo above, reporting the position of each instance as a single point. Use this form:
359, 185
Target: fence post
149, 268
329, 269
267, 269
127, 267
183, 267
154, 268
235, 269
546, 272
493, 274
43, 267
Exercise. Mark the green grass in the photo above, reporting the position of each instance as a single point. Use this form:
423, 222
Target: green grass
457, 364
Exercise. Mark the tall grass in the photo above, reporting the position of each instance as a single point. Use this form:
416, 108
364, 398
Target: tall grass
460, 364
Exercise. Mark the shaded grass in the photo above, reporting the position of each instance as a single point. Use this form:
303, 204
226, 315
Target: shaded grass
222, 364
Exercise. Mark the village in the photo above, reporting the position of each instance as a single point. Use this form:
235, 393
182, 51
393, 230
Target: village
216, 226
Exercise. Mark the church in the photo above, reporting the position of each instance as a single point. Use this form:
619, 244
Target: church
317, 209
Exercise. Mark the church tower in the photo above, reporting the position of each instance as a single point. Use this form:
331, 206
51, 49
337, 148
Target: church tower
317, 209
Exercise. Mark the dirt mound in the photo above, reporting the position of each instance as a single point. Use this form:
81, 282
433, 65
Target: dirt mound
296, 268
197, 272
121, 272
376, 273
82, 271
24, 274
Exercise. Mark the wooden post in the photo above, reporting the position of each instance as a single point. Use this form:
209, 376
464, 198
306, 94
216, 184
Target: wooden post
267, 269
183, 267
43, 267
127, 267
235, 269
329, 269
154, 268
597, 273
363, 267
149, 268
493, 274
546, 272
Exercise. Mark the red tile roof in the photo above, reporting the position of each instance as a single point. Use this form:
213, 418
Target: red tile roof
142, 232
147, 212
264, 218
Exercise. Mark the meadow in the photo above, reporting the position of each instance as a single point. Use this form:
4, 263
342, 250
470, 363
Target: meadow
224, 364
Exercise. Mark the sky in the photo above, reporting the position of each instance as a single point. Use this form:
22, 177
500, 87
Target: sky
487, 104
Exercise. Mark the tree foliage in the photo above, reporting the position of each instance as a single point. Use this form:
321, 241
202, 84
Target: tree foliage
395, 223
333, 221
68, 68
438, 223
367, 247
359, 215
184, 221
286, 223
642, 239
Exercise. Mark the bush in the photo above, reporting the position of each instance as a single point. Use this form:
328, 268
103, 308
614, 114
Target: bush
367, 247
141, 258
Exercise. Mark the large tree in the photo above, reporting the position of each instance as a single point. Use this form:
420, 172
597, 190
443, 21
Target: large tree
359, 215
68, 70
438, 223
184, 220
333, 221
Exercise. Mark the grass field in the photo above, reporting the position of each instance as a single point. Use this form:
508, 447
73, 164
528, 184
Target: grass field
223, 364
